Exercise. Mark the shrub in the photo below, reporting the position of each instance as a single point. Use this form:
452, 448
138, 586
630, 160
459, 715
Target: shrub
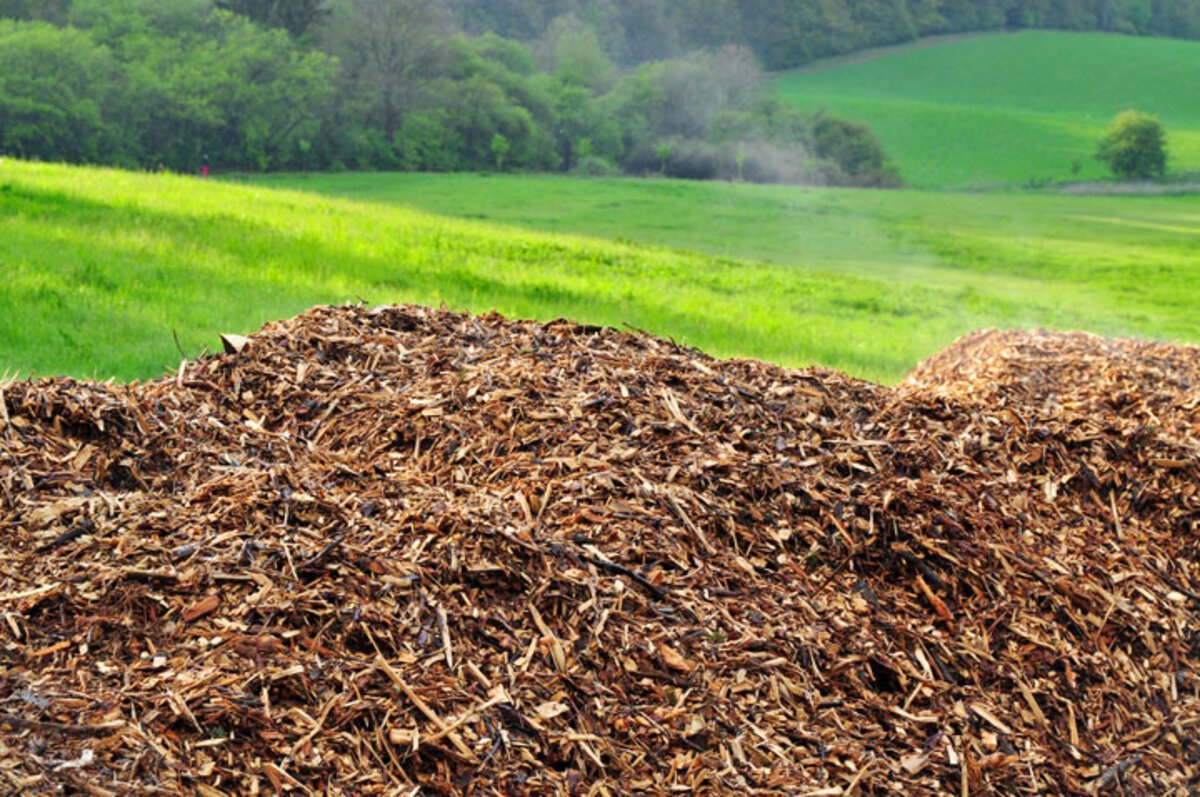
851, 146
428, 144
500, 148
753, 161
1135, 147
595, 166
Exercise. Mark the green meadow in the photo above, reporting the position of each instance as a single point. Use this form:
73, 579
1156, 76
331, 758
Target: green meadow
102, 269
1009, 109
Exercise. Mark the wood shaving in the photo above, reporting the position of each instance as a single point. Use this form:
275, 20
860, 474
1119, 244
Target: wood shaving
400, 550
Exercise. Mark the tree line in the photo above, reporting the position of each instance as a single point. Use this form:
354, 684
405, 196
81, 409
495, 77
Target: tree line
390, 84
595, 86
789, 33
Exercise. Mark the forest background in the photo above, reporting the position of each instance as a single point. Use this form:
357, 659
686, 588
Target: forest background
587, 86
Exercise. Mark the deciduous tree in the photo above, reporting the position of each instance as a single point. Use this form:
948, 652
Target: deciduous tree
297, 17
1135, 147
55, 88
391, 48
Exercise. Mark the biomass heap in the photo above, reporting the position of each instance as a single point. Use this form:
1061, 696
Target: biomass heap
377, 549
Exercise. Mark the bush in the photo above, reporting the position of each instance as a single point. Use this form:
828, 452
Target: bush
500, 148
1135, 147
762, 162
683, 158
752, 161
851, 146
595, 166
693, 160
428, 145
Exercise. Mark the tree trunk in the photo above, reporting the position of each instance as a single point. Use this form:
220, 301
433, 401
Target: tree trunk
391, 116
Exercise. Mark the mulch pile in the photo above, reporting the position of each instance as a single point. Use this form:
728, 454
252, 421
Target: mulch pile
401, 551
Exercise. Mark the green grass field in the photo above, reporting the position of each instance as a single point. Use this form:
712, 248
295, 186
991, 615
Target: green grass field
1009, 108
101, 266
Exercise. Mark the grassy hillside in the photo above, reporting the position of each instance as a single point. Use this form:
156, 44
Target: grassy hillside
1118, 265
100, 266
1009, 108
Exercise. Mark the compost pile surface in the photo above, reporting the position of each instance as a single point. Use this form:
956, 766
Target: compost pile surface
399, 550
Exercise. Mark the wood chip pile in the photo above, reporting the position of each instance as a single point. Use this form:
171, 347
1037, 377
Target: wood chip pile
399, 550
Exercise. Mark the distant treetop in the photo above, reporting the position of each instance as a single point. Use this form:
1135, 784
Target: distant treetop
789, 33
297, 17
670, 87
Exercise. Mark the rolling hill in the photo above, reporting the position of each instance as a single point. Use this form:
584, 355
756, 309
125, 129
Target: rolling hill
1009, 108
103, 268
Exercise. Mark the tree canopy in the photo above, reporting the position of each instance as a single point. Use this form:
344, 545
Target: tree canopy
788, 33
394, 84
297, 17
665, 86
1135, 147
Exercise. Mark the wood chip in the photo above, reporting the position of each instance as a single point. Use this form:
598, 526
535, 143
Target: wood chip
396, 550
201, 608
233, 344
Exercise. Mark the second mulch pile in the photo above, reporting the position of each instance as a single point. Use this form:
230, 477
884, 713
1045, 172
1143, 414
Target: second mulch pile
381, 549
